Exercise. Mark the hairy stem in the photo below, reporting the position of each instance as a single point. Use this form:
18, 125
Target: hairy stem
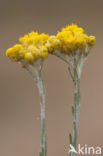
41, 89
75, 109
63, 57
36, 74
75, 67
77, 70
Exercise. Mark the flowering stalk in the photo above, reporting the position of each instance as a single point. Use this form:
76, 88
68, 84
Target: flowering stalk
75, 67
31, 54
77, 70
35, 72
71, 45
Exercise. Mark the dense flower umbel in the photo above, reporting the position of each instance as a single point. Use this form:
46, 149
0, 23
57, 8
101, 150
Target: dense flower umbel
31, 48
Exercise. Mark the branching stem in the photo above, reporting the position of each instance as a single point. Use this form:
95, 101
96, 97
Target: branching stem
75, 67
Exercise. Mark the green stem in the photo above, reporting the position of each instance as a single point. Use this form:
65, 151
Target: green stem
36, 74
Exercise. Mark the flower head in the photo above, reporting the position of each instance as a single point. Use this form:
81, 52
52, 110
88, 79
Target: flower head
32, 47
52, 44
73, 38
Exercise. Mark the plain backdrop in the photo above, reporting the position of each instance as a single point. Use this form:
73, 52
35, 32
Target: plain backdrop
19, 98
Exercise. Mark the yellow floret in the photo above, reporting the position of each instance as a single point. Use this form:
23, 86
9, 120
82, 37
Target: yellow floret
53, 43
33, 33
43, 52
15, 52
91, 40
73, 28
34, 38
29, 57
80, 42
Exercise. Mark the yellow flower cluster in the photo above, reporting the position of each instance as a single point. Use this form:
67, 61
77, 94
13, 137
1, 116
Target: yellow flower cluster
31, 48
73, 38
34, 45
